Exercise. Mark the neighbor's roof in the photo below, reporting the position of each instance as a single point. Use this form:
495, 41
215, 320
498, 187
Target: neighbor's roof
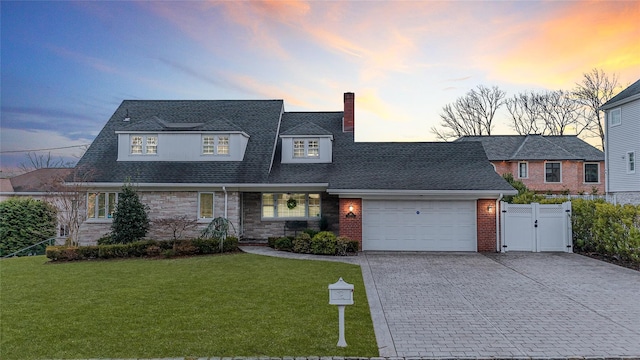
40, 180
536, 147
390, 165
259, 118
629, 94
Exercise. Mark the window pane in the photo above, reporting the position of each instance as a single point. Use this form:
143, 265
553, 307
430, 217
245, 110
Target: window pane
314, 205
91, 206
268, 210
614, 117
591, 173
298, 148
632, 161
283, 204
313, 148
112, 204
223, 145
136, 144
523, 170
152, 145
207, 145
102, 206
552, 172
206, 206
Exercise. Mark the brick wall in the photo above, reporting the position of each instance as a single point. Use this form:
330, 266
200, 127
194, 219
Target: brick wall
351, 227
486, 222
256, 228
572, 177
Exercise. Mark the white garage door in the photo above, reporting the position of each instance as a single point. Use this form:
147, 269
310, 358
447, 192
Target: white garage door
419, 225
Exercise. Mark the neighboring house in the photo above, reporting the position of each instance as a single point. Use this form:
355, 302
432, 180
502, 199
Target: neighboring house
263, 168
546, 164
622, 145
38, 184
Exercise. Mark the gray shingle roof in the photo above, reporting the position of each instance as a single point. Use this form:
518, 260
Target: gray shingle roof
362, 165
306, 128
536, 147
631, 91
389, 166
261, 117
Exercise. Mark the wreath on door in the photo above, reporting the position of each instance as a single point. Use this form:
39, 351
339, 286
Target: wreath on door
292, 203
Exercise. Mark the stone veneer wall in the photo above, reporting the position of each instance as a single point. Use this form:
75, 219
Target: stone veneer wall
254, 228
166, 204
631, 197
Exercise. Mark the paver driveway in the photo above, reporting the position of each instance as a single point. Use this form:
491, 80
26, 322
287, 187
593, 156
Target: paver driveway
503, 305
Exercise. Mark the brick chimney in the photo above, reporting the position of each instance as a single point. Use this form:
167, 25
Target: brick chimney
349, 121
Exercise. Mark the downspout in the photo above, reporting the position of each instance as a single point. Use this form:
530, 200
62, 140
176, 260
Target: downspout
498, 225
226, 201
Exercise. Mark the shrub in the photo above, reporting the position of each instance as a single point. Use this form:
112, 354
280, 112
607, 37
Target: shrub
130, 220
302, 243
284, 243
25, 222
106, 239
271, 241
311, 232
323, 243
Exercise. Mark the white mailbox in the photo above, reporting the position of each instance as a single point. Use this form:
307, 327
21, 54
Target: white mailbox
341, 293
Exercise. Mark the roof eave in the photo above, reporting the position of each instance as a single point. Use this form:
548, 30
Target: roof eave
422, 194
620, 102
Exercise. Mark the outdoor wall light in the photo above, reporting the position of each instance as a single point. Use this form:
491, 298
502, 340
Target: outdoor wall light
490, 208
350, 214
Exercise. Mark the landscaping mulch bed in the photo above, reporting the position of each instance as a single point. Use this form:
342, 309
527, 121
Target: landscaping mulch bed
612, 260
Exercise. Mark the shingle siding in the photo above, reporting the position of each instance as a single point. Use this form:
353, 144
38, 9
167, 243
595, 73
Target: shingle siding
622, 139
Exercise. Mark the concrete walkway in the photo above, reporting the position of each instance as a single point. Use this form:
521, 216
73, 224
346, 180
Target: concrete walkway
515, 305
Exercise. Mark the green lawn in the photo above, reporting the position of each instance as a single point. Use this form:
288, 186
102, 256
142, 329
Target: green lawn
224, 305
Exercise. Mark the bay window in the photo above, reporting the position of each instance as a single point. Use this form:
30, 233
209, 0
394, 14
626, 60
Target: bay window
288, 205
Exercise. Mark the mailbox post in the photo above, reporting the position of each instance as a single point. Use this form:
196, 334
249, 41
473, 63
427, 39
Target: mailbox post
341, 294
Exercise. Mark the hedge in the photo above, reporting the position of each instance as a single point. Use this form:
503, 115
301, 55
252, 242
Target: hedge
607, 229
145, 248
320, 243
25, 222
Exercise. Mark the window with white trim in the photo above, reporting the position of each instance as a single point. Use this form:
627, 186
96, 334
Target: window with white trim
553, 172
215, 144
287, 206
101, 205
631, 162
615, 117
306, 148
144, 144
205, 205
523, 170
591, 172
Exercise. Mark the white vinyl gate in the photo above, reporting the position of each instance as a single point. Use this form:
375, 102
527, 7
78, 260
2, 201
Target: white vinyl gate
536, 227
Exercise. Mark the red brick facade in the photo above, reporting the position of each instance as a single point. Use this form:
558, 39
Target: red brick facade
572, 173
351, 227
486, 223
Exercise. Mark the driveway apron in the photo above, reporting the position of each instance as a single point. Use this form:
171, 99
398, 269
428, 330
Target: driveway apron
502, 305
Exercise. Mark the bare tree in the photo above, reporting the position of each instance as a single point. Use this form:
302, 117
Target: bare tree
177, 225
595, 89
525, 113
43, 161
68, 195
471, 114
559, 111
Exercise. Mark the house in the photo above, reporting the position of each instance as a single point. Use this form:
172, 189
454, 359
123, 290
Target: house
262, 168
622, 144
39, 184
546, 164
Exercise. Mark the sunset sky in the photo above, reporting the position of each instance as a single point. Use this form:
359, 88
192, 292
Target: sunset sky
66, 66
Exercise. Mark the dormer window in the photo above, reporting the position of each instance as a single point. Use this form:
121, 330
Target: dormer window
144, 144
215, 144
306, 148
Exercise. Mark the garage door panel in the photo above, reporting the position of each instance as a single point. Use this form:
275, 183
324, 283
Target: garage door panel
416, 225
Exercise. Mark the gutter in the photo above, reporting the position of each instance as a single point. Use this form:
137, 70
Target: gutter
226, 201
498, 233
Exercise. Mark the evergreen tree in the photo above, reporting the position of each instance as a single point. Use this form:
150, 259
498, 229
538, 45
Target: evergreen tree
130, 220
